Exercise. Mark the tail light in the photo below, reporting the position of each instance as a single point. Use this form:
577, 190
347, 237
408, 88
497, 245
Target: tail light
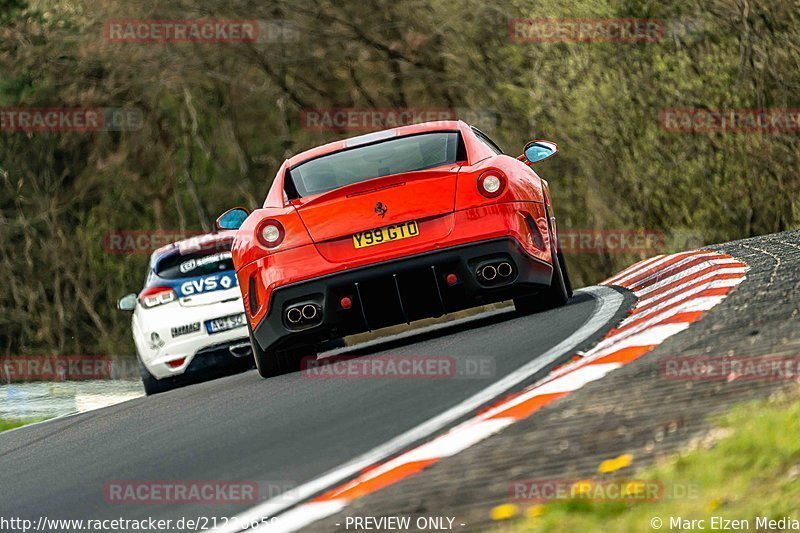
267, 232
176, 363
270, 233
155, 296
491, 184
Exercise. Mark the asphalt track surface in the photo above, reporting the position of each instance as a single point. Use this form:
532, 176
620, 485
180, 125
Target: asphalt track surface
281, 432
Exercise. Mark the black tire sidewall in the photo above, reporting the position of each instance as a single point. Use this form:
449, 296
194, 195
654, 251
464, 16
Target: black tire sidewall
151, 384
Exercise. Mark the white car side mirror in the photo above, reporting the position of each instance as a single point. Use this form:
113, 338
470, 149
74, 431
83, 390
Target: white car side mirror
127, 302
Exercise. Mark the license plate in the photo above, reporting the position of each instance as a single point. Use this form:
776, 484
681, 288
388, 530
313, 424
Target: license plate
395, 232
225, 323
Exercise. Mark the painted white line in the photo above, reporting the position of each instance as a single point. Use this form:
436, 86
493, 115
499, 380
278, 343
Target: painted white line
682, 297
607, 303
679, 264
654, 265
645, 293
599, 350
473, 431
651, 337
672, 298
458, 439
641, 266
577, 378
541, 388
646, 286
566, 379
695, 304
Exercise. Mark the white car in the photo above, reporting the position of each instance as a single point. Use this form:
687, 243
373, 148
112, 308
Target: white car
188, 320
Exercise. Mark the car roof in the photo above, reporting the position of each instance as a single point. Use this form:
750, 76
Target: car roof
219, 241
325, 149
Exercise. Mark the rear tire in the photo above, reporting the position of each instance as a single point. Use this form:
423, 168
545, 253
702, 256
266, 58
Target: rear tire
270, 363
565, 274
153, 385
554, 296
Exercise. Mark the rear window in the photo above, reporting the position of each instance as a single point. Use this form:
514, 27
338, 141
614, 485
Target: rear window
394, 156
196, 264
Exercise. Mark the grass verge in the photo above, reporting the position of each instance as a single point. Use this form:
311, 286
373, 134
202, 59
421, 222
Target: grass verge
6, 424
747, 467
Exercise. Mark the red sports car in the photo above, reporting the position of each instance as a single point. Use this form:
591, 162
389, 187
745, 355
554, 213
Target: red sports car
392, 227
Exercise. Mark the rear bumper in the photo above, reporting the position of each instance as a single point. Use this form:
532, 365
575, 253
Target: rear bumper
400, 290
205, 358
525, 222
219, 357
194, 345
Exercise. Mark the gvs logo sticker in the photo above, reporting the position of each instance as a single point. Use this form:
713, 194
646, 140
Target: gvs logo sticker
197, 286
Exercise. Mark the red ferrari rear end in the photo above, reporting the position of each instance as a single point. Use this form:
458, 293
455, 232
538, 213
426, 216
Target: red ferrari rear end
388, 228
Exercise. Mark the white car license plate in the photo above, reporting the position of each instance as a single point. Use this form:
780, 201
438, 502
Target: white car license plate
225, 323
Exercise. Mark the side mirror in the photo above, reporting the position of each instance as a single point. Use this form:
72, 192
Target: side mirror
232, 218
127, 302
536, 151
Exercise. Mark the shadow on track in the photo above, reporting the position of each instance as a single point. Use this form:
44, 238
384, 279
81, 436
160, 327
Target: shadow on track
448, 328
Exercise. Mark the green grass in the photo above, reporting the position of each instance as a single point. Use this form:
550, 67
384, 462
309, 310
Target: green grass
748, 467
6, 424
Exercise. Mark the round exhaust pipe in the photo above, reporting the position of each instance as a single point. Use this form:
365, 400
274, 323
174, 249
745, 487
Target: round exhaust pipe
489, 272
504, 269
309, 311
240, 350
294, 315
